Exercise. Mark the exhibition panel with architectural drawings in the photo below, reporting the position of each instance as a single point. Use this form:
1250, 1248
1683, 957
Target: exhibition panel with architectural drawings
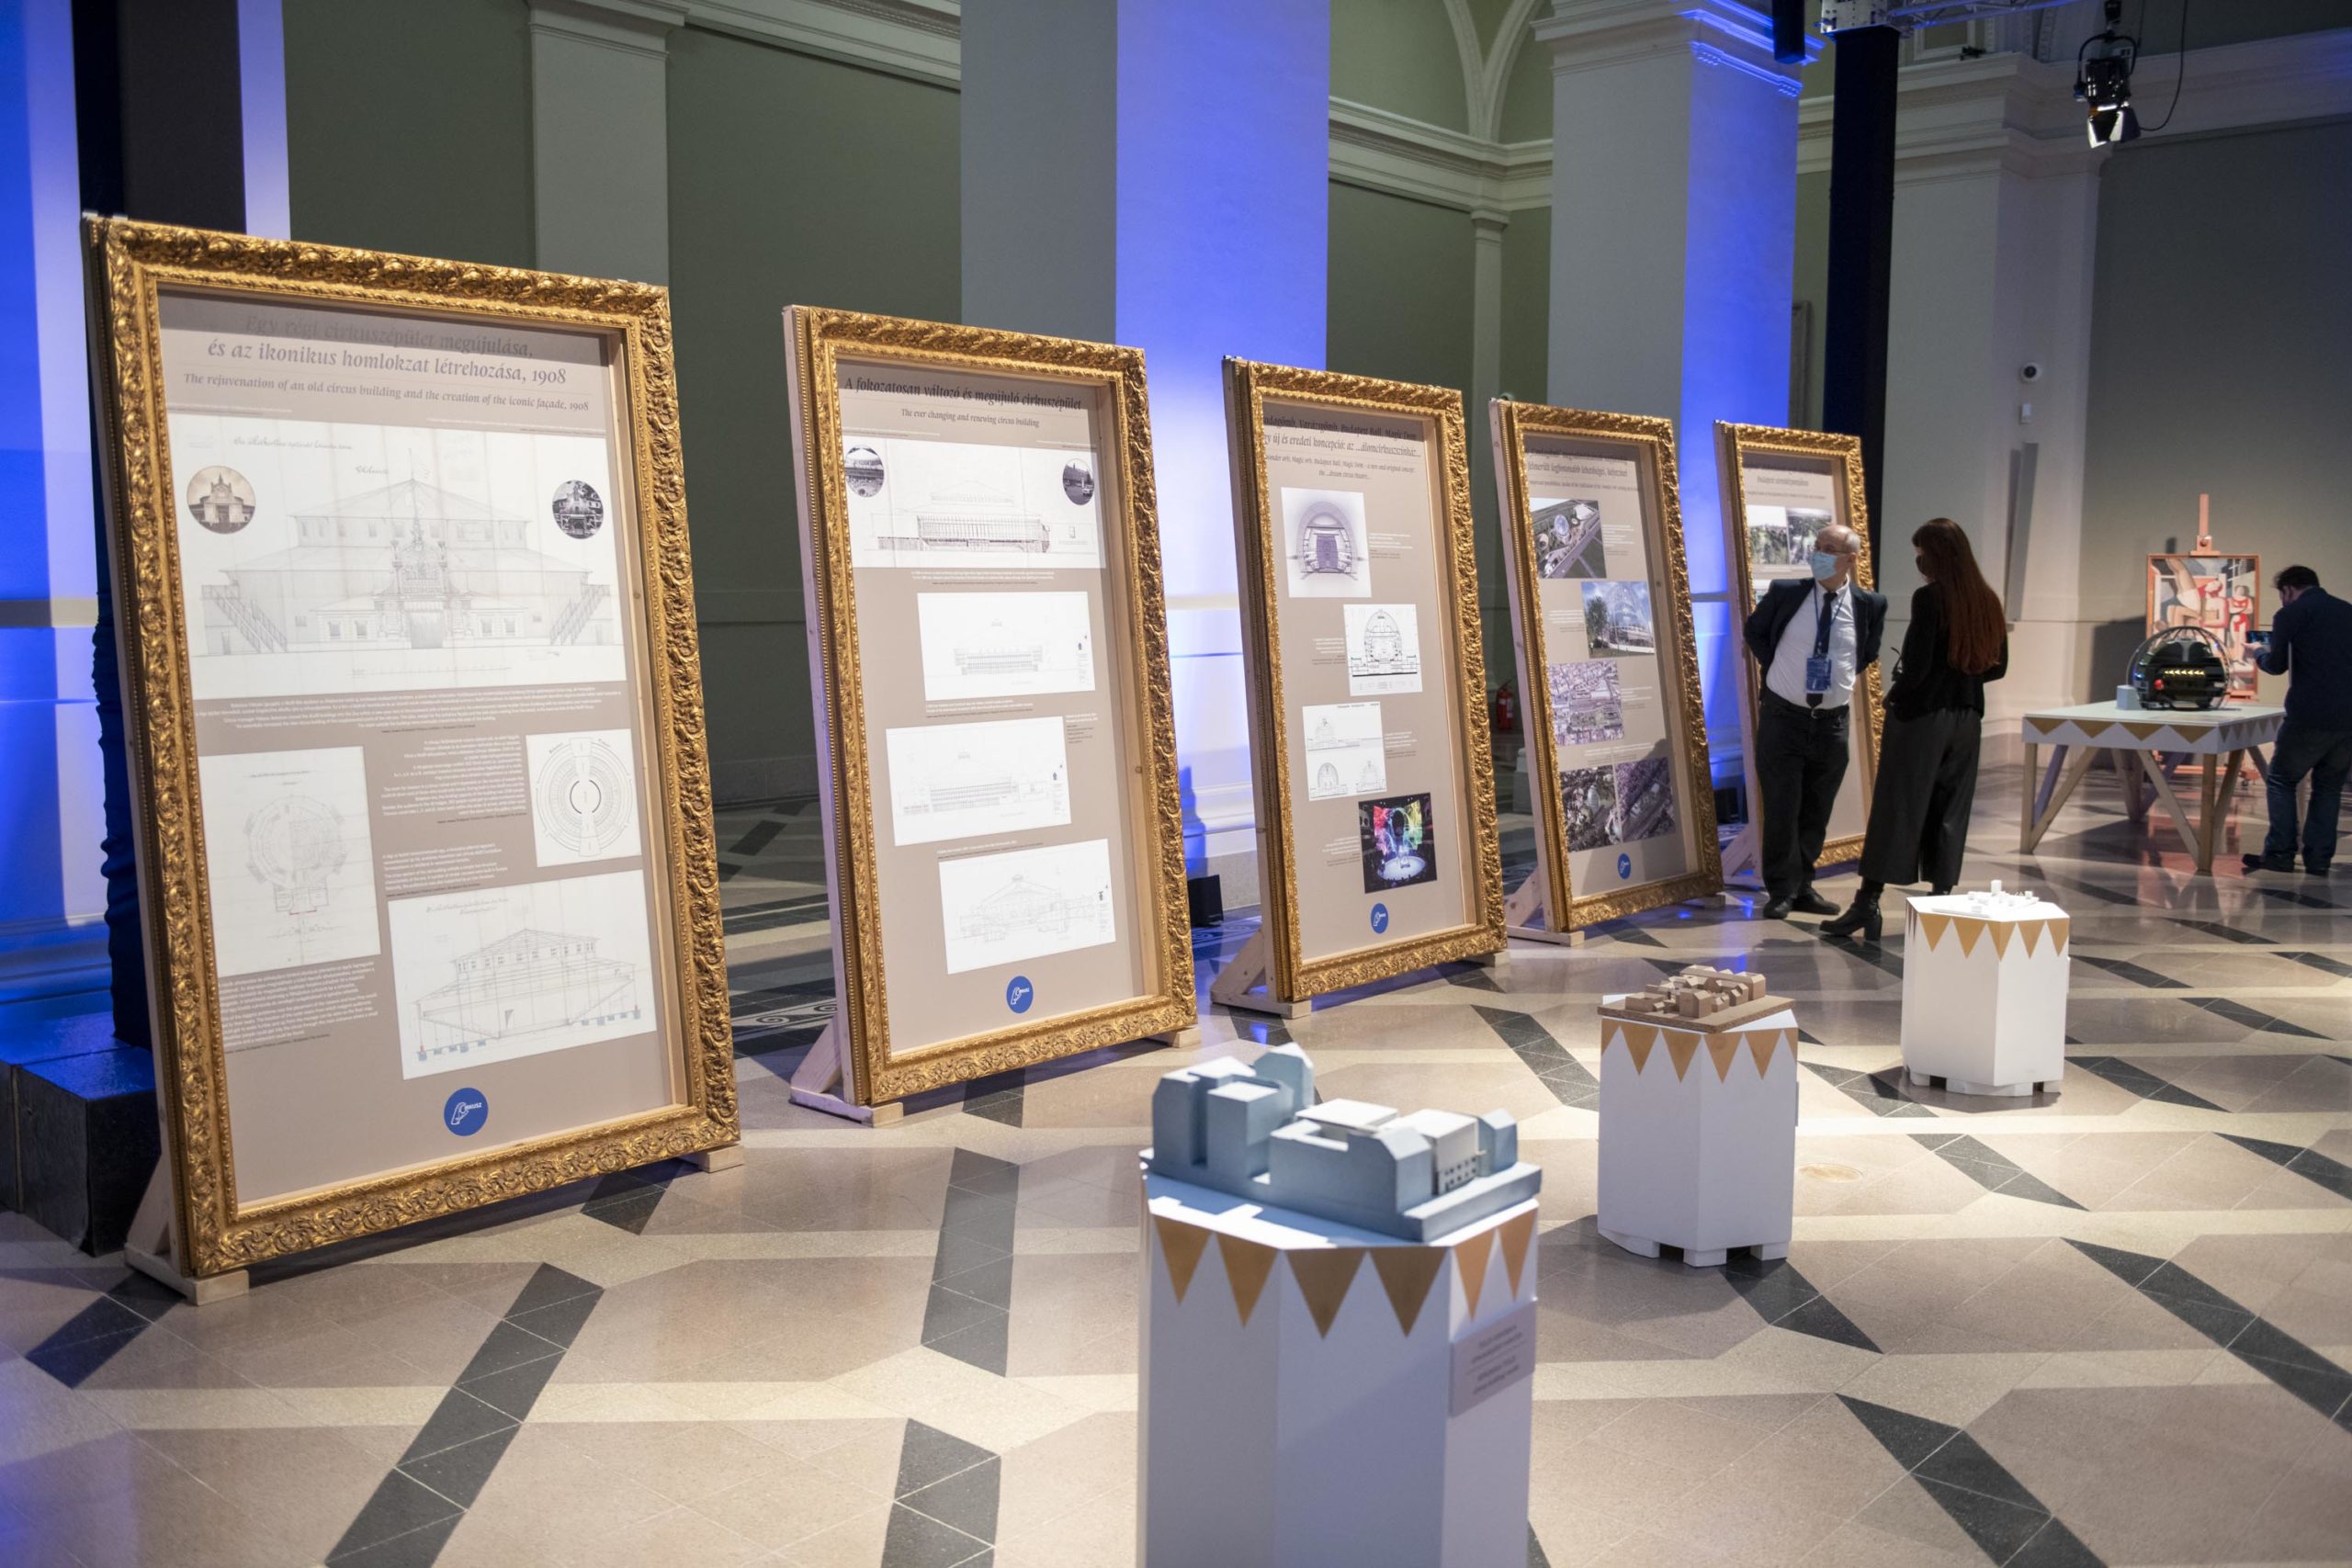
1600, 612
1369, 724
983, 572
437, 872
1781, 489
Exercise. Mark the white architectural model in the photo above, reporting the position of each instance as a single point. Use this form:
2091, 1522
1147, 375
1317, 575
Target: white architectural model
1257, 1133
411, 566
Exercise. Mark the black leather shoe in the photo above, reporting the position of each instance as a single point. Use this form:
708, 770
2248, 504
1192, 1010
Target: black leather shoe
1861, 916
1777, 909
2318, 868
2264, 862
1811, 903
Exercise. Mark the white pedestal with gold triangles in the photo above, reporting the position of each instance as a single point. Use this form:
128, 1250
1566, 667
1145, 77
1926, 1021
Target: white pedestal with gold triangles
1316, 1394
1699, 1135
1985, 996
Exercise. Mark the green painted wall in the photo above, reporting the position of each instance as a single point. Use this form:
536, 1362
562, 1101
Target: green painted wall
1527, 304
409, 127
792, 180
1812, 289
1399, 55
1527, 95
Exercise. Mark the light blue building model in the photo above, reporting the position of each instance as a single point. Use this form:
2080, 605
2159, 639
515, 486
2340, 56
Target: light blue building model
1256, 1131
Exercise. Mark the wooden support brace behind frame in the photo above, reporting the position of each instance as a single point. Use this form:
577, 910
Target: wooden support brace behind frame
1616, 730
1815, 479
1378, 852
988, 663
445, 557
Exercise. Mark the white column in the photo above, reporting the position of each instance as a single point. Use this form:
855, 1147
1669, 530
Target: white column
1673, 252
51, 896
1996, 208
1158, 173
600, 135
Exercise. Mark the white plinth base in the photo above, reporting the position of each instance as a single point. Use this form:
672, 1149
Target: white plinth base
1699, 1137
1317, 1394
1984, 996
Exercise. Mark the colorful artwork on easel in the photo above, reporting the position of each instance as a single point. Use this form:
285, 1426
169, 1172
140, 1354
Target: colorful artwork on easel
2218, 593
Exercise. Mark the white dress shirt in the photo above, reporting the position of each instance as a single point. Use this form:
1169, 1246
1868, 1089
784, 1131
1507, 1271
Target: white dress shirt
1785, 679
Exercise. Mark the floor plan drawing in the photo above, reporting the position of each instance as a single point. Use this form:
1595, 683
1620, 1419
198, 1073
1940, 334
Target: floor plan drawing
501, 973
289, 862
1024, 904
958, 781
377, 558
1004, 645
583, 796
1345, 752
1383, 649
953, 503
1325, 551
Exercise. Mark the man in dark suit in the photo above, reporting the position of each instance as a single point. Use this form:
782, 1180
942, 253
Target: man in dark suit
2311, 638
1810, 642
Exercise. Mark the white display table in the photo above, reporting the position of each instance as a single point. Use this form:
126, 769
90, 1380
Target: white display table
2235, 731
1699, 1135
1984, 994
1317, 1394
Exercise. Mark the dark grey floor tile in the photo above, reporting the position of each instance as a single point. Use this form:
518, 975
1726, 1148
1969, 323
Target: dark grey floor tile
1999, 1529
1821, 1318
416, 1549
966, 1501
558, 1325
399, 1506
2055, 1546
506, 1348
928, 1456
917, 1541
461, 1472
73, 1360
459, 1418
2329, 1392
949, 1312
1910, 1439
548, 1286
985, 1344
515, 1389
1964, 1462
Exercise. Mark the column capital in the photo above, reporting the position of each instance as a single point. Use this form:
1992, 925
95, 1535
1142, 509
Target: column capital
1488, 222
1587, 35
635, 27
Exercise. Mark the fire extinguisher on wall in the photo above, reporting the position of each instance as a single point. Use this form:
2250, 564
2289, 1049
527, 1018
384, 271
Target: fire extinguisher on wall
1504, 709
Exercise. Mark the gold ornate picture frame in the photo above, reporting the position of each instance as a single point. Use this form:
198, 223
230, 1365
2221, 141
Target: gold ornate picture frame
1451, 662
142, 273
1734, 444
858, 1064
1551, 896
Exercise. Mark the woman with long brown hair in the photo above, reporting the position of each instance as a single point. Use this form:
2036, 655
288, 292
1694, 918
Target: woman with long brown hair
1934, 718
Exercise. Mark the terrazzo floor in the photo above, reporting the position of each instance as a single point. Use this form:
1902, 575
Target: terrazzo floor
2111, 1325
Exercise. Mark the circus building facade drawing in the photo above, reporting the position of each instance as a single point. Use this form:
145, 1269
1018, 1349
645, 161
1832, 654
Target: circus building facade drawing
408, 566
531, 984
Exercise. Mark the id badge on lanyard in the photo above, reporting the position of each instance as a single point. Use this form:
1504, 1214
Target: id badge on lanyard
1817, 674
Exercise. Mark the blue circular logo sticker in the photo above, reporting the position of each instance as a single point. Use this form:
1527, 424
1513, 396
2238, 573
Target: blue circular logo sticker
1019, 993
1380, 916
1625, 867
466, 1112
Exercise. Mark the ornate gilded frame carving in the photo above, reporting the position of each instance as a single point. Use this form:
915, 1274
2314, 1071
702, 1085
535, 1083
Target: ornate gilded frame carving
1249, 385
1734, 445
130, 263
817, 339
1650, 442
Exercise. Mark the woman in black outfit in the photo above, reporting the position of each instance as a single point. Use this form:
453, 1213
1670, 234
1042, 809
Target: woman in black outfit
1934, 718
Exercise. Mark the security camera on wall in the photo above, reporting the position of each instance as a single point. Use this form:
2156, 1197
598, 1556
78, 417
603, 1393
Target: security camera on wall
2030, 371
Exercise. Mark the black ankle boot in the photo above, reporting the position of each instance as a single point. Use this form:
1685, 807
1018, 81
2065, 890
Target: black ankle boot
1863, 915
1941, 890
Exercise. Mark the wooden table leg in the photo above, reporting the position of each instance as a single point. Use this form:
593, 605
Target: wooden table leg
2136, 797
2065, 782
2172, 801
2208, 791
2026, 800
2232, 770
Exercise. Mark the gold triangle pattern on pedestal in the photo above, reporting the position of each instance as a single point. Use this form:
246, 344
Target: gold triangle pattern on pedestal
1639, 1040
1247, 1266
1406, 1273
1721, 1049
1680, 1047
1516, 1233
1470, 1261
1324, 1274
1182, 1245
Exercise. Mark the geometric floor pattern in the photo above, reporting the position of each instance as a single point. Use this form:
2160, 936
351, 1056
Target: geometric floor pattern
2111, 1325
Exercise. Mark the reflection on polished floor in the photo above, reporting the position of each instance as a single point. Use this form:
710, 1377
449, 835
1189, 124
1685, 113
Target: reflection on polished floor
2109, 1325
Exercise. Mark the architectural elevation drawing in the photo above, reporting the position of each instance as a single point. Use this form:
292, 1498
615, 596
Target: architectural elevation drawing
501, 973
583, 796
1345, 752
1255, 1131
379, 557
1004, 645
1026, 903
288, 857
1325, 551
1383, 649
959, 781
953, 503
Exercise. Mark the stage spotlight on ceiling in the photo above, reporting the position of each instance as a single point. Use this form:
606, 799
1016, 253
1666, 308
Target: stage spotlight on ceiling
2103, 81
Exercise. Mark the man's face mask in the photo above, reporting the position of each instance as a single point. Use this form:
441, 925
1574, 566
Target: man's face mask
1824, 565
